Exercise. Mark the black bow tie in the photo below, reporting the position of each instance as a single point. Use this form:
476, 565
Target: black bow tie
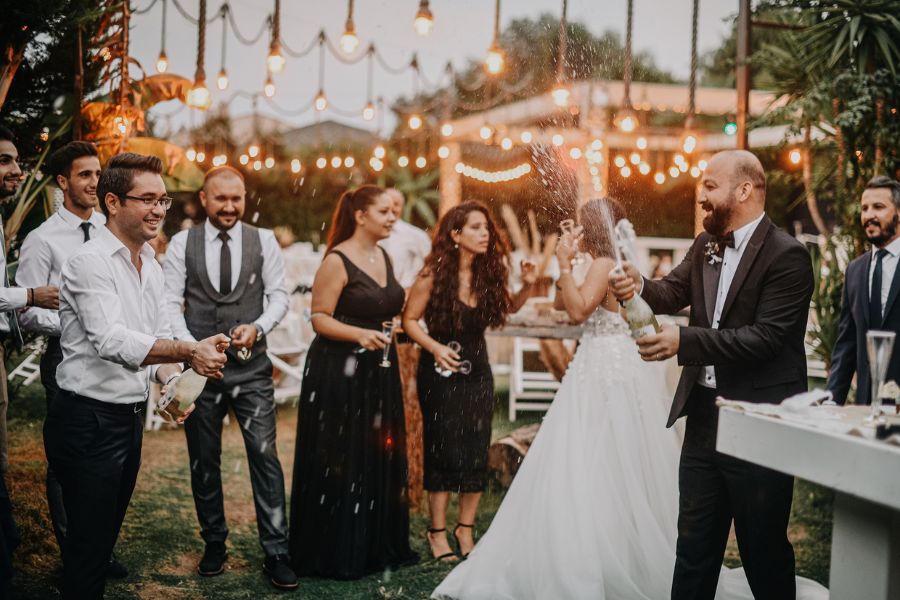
726, 240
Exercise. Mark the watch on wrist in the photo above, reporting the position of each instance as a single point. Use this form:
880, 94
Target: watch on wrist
260, 334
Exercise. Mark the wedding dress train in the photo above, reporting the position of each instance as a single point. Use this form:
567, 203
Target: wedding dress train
592, 512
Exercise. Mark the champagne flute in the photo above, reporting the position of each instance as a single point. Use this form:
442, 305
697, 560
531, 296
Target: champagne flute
387, 328
879, 345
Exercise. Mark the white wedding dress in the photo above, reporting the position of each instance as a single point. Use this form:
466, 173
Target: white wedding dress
592, 512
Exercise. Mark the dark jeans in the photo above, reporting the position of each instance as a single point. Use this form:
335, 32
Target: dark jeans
716, 488
95, 450
254, 409
49, 361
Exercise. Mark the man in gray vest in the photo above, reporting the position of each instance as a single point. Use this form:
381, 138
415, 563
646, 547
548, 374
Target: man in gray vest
229, 278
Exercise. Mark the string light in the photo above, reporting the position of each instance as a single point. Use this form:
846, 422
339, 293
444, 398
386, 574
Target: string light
421, 162
683, 167
424, 20
295, 165
219, 160
269, 162
695, 172
506, 143
485, 132
560, 95
162, 63
349, 41
201, 156
379, 151
336, 161
627, 120
795, 157
253, 150
321, 101
269, 87
403, 161
443, 152
525, 137
674, 172
349, 162
244, 159
369, 111
558, 140
191, 154
199, 96
222, 79
275, 60
702, 164
642, 143
619, 161
575, 153
321, 162
644, 168
635, 158
596, 144
495, 60
493, 176
415, 122
626, 172
376, 164
446, 129
660, 178
689, 143
257, 165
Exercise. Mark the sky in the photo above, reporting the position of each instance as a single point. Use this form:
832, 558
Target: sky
462, 30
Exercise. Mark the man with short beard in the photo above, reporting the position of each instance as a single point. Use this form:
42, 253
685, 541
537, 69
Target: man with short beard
748, 285
12, 299
871, 286
229, 277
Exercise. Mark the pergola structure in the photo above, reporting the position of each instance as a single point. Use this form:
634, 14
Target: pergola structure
593, 140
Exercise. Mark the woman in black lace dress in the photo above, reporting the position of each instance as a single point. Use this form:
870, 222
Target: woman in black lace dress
460, 292
349, 506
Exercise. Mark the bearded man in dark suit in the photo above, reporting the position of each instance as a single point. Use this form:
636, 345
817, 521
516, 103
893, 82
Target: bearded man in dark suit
748, 285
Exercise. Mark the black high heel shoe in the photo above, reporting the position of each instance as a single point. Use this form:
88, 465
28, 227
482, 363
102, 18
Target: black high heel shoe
456, 537
446, 555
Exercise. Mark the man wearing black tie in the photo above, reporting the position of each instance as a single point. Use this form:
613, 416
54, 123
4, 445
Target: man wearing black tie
11, 299
75, 168
229, 277
869, 299
748, 285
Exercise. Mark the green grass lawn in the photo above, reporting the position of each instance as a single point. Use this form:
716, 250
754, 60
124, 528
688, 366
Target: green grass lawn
161, 545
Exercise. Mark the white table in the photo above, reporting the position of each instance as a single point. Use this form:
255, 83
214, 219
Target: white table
864, 473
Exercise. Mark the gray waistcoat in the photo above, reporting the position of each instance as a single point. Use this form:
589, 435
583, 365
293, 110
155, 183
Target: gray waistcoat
207, 312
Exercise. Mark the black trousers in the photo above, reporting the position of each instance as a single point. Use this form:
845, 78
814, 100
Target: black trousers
254, 408
49, 361
716, 488
95, 450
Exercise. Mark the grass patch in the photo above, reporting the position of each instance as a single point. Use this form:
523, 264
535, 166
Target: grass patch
160, 541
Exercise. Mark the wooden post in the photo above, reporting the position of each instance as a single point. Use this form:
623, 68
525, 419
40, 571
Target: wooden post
743, 73
451, 181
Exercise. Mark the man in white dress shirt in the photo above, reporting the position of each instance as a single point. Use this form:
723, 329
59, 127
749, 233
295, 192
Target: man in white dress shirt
115, 338
407, 245
13, 298
869, 298
229, 278
76, 170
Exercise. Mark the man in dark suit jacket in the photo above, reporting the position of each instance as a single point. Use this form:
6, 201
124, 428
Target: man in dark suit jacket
748, 285
861, 309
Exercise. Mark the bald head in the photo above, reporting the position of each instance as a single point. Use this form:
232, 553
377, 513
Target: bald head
397, 201
732, 191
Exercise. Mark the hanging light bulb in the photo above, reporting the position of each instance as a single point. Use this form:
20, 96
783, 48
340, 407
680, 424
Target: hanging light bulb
162, 63
795, 157
421, 162
443, 152
485, 132
495, 60
446, 129
378, 152
275, 60
295, 165
198, 96
575, 153
269, 88
321, 101
257, 165
415, 121
659, 178
635, 158
321, 162
222, 79
560, 95
644, 168
270, 162
403, 161
424, 20
642, 143
349, 41
506, 143
526, 137
627, 120
336, 161
191, 154
369, 111
558, 139
689, 143
244, 159
253, 150
201, 156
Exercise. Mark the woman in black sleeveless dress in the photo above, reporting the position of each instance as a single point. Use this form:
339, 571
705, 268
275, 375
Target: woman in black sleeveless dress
460, 292
349, 507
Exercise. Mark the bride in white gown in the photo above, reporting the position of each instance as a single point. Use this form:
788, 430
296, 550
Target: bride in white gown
592, 512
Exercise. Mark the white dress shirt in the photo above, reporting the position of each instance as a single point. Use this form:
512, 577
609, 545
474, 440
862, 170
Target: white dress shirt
11, 298
110, 316
407, 246
731, 258
888, 268
276, 296
41, 259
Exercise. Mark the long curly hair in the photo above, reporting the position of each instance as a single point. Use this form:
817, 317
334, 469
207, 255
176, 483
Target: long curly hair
490, 272
597, 216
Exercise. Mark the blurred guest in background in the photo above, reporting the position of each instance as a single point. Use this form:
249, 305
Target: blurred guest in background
407, 245
349, 506
460, 292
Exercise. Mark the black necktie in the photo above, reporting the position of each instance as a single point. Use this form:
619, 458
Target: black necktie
875, 294
86, 227
225, 265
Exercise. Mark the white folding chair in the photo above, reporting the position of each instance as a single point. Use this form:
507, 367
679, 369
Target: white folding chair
528, 390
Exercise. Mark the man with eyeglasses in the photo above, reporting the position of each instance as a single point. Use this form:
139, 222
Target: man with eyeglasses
229, 277
115, 336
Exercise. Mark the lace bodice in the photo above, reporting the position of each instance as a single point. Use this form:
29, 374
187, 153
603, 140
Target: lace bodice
603, 322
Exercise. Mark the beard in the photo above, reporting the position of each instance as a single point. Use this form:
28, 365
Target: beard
716, 221
886, 231
7, 193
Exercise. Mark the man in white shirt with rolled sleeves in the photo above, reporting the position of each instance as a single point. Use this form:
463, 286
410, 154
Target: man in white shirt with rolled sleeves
115, 338
229, 278
407, 245
76, 170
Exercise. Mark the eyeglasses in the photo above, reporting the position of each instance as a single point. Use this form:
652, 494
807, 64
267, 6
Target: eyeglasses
164, 201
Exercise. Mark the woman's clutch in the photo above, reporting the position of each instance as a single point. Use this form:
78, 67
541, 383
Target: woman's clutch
180, 395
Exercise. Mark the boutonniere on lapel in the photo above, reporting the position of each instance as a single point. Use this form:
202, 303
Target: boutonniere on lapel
713, 252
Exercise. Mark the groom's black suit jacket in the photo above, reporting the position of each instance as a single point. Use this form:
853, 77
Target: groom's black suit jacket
849, 355
758, 350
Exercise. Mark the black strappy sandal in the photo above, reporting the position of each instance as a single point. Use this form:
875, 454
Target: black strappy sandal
445, 556
456, 537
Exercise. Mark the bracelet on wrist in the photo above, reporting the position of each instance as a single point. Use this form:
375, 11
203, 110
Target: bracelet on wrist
193, 354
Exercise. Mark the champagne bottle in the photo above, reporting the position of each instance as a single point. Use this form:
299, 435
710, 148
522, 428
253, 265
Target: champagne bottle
640, 317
